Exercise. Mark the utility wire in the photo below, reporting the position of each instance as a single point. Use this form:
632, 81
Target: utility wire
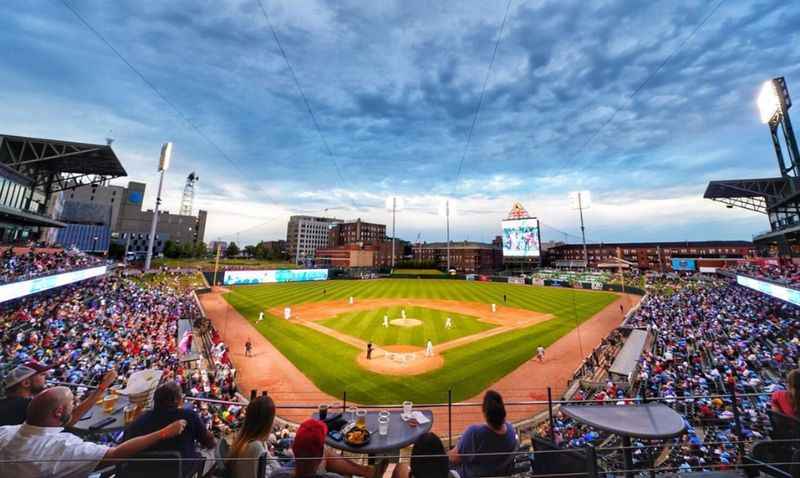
303, 95
649, 78
151, 85
483, 91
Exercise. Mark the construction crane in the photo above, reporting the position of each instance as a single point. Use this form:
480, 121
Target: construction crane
187, 201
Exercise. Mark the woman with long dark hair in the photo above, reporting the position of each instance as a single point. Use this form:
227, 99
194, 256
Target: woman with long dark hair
250, 442
428, 460
788, 401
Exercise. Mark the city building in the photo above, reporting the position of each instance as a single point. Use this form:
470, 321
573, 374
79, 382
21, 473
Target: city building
214, 245
647, 255
465, 257
375, 255
356, 232
120, 208
33, 171
304, 234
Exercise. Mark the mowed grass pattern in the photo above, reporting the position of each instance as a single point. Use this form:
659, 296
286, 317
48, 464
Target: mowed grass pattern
368, 325
468, 370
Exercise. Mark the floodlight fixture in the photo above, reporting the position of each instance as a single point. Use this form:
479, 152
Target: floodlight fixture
768, 101
166, 156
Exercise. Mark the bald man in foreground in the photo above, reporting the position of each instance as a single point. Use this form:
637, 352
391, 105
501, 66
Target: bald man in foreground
43, 450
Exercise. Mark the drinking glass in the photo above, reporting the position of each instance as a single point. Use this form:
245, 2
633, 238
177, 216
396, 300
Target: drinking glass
109, 401
130, 413
383, 425
361, 418
351, 414
407, 408
323, 411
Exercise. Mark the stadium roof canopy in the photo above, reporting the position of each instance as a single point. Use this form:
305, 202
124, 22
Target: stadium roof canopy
757, 195
56, 165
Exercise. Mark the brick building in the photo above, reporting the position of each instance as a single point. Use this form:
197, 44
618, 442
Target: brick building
355, 232
465, 257
648, 255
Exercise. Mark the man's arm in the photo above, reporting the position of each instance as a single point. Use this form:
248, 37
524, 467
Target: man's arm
135, 445
92, 398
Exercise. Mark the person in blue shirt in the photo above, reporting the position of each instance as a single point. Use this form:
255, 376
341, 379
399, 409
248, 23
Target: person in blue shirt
168, 407
486, 449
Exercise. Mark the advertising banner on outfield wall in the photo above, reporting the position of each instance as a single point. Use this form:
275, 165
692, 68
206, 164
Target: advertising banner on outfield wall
516, 280
271, 276
28, 287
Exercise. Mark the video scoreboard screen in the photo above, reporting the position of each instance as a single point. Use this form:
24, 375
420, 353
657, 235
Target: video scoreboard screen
521, 238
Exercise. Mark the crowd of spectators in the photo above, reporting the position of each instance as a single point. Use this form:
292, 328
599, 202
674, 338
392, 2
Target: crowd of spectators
708, 336
788, 274
122, 324
31, 263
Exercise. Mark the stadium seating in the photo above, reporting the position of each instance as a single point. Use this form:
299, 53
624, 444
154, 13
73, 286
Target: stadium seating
710, 337
18, 264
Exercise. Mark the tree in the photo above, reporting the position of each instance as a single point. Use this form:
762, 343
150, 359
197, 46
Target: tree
171, 249
250, 251
232, 250
186, 250
200, 249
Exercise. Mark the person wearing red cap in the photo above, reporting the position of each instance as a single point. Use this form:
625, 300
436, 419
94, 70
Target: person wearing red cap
311, 460
26, 381
309, 452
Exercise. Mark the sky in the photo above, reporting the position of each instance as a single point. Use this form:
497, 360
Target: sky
641, 103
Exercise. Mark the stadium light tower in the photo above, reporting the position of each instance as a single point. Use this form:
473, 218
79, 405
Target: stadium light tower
582, 200
394, 203
446, 210
773, 104
163, 165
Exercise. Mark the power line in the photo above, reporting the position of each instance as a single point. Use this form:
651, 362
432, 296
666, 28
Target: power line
647, 80
151, 85
302, 94
483, 91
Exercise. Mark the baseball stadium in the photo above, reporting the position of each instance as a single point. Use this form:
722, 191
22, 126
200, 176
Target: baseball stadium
473, 240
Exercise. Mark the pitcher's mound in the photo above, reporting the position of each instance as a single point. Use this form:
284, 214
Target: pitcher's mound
406, 322
400, 360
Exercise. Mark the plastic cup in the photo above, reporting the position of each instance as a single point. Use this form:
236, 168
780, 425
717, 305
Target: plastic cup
361, 418
383, 425
323, 411
351, 414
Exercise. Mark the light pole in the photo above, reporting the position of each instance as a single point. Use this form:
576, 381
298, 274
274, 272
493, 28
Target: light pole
582, 200
394, 203
163, 165
447, 216
394, 214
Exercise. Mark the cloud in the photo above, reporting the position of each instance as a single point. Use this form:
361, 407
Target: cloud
394, 87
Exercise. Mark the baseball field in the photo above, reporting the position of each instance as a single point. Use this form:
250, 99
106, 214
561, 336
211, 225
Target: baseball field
326, 336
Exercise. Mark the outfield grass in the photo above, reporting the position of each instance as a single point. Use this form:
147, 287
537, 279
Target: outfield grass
418, 272
368, 325
468, 370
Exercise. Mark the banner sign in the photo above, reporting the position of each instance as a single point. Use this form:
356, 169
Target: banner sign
539, 282
272, 276
39, 284
516, 280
